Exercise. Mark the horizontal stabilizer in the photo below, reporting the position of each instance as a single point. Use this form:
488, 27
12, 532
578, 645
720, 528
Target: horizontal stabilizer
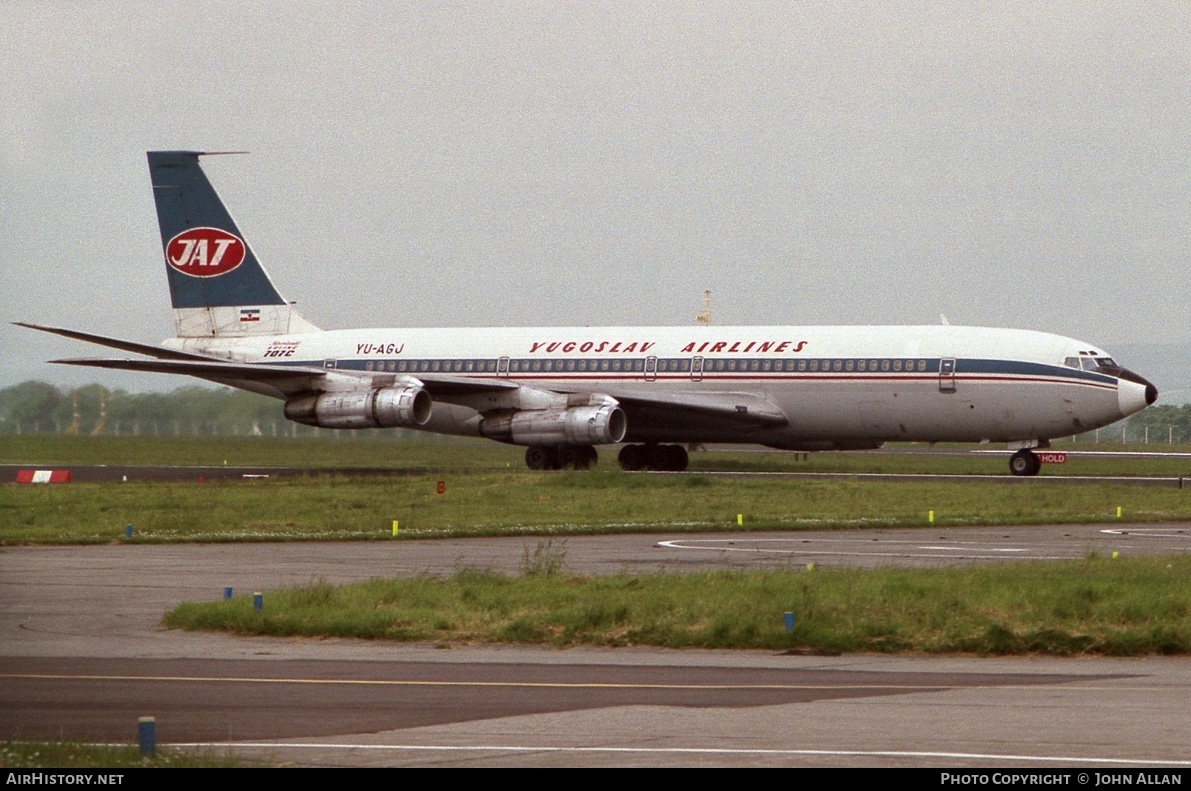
203, 367
159, 352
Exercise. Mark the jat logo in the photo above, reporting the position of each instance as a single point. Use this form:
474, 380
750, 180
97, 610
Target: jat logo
205, 252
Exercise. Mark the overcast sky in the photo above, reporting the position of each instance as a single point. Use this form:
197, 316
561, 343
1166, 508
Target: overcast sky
439, 164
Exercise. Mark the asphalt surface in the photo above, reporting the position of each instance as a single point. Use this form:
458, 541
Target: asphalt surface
100, 473
83, 655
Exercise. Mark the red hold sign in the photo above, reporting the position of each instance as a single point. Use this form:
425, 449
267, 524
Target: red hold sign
205, 252
1052, 458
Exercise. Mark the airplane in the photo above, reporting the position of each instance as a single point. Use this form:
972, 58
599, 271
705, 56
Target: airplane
562, 391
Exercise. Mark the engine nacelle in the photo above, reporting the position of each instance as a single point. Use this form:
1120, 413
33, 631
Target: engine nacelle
584, 425
387, 407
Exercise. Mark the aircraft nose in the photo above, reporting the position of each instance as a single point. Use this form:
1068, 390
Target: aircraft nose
1134, 393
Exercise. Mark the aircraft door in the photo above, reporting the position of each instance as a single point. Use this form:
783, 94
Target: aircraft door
947, 375
651, 368
502, 367
697, 369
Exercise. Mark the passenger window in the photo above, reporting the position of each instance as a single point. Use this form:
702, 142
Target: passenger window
897, 365
814, 365
837, 365
884, 365
849, 365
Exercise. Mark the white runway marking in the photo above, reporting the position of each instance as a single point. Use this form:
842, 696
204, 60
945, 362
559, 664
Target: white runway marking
912, 549
1066, 759
1148, 532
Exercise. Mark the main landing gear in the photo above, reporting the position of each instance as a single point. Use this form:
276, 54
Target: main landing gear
665, 458
569, 457
1024, 462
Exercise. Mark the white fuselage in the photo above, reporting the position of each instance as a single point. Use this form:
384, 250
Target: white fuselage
838, 386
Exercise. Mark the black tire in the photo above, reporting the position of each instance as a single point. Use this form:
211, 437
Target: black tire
539, 457
631, 458
679, 458
657, 457
576, 457
1024, 462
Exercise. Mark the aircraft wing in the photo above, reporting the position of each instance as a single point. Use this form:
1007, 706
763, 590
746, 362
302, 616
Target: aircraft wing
287, 380
713, 410
442, 387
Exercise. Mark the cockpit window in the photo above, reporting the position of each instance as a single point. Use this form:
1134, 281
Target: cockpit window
1106, 362
1089, 364
1072, 362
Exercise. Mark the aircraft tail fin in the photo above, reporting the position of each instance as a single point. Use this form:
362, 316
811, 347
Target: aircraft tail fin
217, 285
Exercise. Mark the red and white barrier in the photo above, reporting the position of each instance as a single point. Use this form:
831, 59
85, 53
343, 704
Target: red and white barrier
43, 476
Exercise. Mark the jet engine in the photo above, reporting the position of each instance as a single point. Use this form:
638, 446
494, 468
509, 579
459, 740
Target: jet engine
585, 425
387, 407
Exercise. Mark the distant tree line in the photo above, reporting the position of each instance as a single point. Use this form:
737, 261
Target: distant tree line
39, 407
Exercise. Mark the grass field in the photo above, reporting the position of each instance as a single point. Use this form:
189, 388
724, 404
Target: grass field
525, 503
1096, 606
74, 755
1139, 606
488, 492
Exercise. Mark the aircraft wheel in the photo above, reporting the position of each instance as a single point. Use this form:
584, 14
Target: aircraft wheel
631, 458
657, 457
539, 457
678, 458
1024, 462
576, 457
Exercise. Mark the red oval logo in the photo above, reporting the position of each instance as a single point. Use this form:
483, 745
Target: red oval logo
205, 252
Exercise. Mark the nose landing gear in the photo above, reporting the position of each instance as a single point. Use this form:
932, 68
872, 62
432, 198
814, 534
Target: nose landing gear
1024, 462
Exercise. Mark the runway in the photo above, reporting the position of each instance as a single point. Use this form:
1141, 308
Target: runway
102, 473
84, 655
